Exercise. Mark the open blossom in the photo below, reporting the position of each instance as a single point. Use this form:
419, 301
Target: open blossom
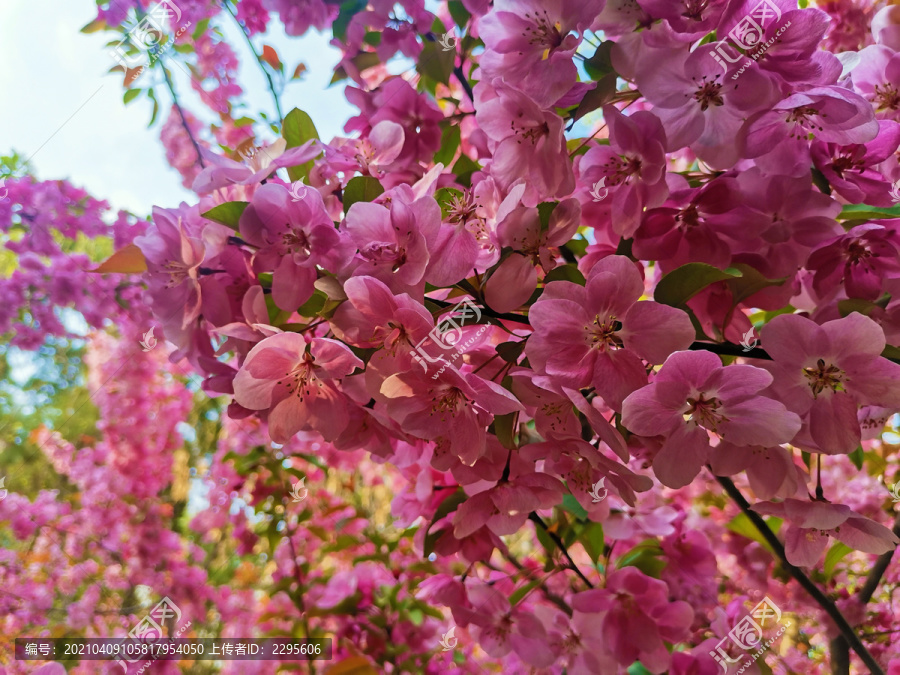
528, 142
598, 334
174, 253
632, 167
694, 395
394, 241
455, 409
530, 44
823, 373
296, 381
264, 161
810, 525
862, 259
515, 279
294, 237
636, 618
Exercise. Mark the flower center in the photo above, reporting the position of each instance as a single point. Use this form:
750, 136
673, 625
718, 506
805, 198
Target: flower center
709, 93
803, 124
295, 242
602, 334
543, 31
824, 376
300, 380
178, 271
887, 96
693, 9
384, 252
704, 412
448, 401
688, 217
857, 252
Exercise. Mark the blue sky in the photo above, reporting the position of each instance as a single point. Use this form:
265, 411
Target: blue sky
63, 109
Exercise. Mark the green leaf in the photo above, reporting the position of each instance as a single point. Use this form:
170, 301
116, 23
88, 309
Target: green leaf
682, 284
591, 537
449, 145
742, 525
866, 212
637, 668
458, 12
600, 64
505, 431
298, 128
520, 593
597, 97
510, 351
570, 504
314, 305
361, 189
835, 554
646, 557
545, 210
749, 283
436, 62
567, 272
130, 95
348, 9
463, 169
228, 214
94, 26
864, 307
857, 457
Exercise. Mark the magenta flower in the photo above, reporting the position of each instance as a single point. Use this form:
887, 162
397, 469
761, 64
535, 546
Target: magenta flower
371, 154
862, 259
294, 237
454, 410
295, 380
222, 171
852, 170
632, 167
504, 508
173, 259
699, 103
823, 373
397, 101
810, 525
528, 142
636, 618
778, 138
530, 44
394, 242
514, 280
597, 335
877, 78
694, 395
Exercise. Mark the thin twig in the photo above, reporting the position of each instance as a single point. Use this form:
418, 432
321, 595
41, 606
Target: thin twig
259, 60
178, 107
833, 612
535, 518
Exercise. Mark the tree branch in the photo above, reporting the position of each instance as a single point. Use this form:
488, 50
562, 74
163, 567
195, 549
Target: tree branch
178, 107
833, 612
535, 518
839, 647
259, 60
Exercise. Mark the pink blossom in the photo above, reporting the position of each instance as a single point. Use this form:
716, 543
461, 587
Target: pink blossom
527, 142
823, 373
692, 396
636, 618
812, 523
222, 171
293, 237
598, 334
295, 379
